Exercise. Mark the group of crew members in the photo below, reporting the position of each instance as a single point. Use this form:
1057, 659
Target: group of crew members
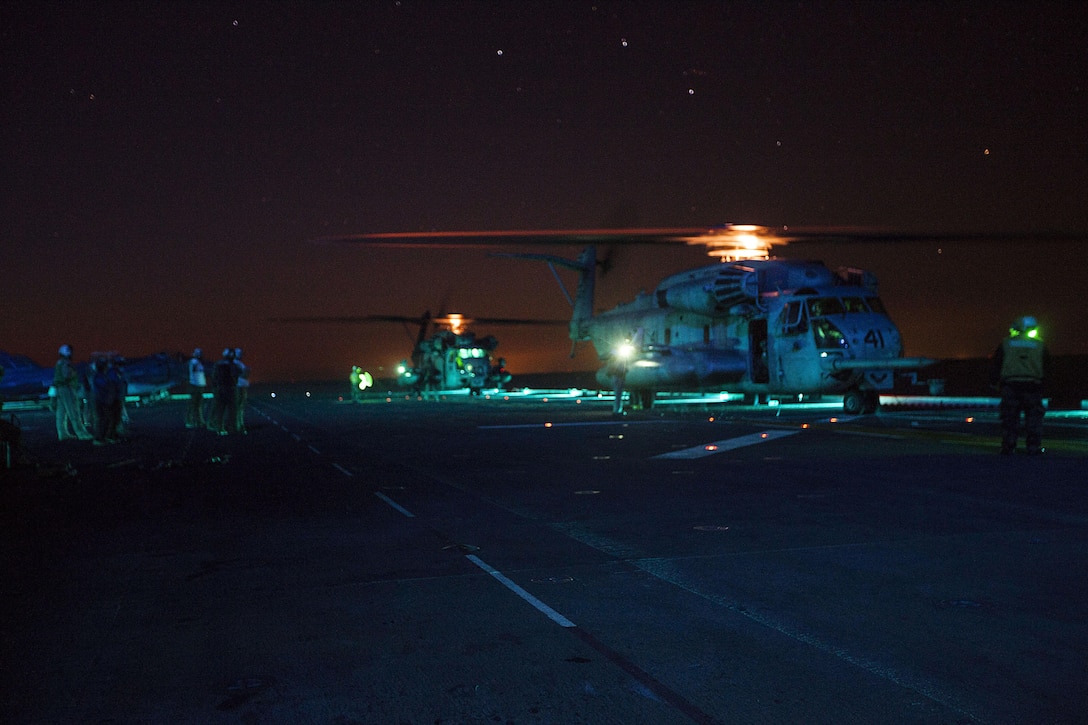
90, 405
230, 392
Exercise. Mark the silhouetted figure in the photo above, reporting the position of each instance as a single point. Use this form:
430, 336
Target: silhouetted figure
1019, 367
243, 392
198, 381
66, 384
355, 380
109, 396
225, 382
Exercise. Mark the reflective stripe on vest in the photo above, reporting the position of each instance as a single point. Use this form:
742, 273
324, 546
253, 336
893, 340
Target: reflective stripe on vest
1022, 361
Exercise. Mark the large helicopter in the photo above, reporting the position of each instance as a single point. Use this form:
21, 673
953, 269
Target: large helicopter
758, 326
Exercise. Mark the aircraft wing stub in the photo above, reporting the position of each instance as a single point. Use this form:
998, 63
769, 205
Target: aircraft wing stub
896, 363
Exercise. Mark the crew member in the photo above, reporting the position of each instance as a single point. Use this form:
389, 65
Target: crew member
243, 392
198, 381
118, 374
225, 379
1019, 366
90, 409
617, 374
356, 380
108, 400
66, 383
500, 376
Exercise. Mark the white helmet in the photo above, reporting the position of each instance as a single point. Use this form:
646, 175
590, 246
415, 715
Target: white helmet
1025, 323
65, 350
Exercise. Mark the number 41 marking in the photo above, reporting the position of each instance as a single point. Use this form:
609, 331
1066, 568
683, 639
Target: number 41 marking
874, 338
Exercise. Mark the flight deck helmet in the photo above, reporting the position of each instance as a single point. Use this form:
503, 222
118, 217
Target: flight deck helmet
1026, 325
65, 351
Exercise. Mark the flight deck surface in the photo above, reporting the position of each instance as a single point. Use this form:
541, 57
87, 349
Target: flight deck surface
536, 560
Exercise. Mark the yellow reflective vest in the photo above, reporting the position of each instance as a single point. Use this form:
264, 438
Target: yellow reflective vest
1022, 360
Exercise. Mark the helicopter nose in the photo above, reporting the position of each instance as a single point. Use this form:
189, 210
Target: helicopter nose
878, 338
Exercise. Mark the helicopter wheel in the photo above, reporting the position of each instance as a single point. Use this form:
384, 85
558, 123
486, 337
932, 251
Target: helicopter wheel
855, 401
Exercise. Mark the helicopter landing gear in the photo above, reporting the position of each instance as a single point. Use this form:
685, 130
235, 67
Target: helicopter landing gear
642, 399
857, 401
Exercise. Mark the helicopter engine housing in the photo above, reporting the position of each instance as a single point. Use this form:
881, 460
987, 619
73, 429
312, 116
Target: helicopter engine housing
679, 369
710, 290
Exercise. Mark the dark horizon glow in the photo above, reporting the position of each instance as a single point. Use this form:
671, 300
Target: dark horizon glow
168, 164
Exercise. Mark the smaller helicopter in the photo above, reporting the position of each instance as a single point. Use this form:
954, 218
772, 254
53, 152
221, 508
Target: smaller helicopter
446, 354
452, 358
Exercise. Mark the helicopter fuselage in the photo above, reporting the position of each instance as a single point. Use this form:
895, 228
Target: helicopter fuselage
452, 361
760, 327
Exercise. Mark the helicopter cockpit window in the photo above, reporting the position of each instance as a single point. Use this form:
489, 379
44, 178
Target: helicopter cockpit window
876, 305
854, 304
792, 320
823, 306
828, 337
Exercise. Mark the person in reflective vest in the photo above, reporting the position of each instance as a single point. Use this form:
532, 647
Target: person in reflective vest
355, 379
1019, 368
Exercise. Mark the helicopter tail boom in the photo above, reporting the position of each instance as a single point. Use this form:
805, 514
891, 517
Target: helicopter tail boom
583, 299
586, 266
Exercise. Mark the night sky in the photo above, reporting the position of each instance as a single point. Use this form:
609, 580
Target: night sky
167, 164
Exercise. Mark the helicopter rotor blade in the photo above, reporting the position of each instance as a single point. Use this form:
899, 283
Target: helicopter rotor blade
736, 241
423, 320
497, 238
345, 319
517, 321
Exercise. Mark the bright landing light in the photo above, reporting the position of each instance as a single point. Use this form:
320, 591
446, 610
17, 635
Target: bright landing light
735, 242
